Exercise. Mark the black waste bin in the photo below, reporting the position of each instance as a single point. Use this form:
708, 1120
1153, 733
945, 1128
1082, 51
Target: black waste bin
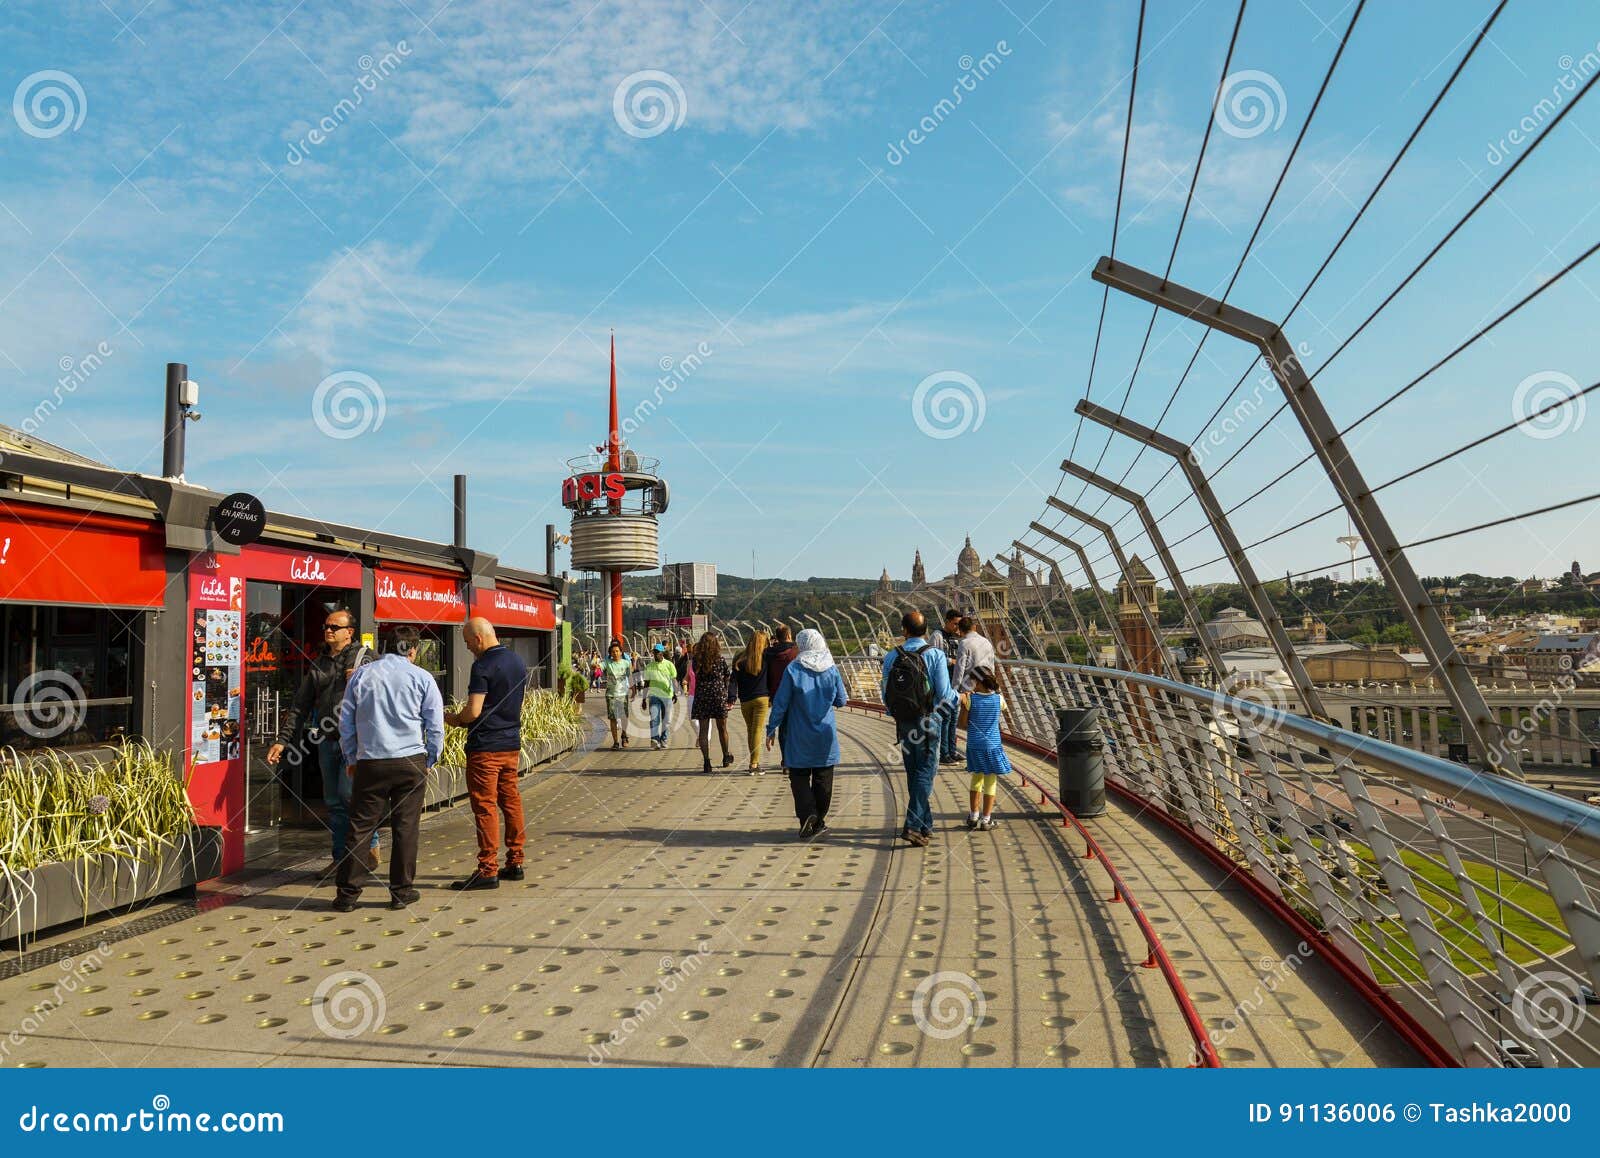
1080, 760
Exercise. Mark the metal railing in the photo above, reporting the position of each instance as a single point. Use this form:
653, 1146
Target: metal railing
1461, 903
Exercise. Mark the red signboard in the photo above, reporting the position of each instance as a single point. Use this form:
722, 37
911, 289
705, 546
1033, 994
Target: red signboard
417, 596
511, 607
286, 565
583, 487
62, 556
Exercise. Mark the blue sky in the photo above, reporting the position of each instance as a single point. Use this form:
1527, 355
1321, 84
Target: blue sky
466, 234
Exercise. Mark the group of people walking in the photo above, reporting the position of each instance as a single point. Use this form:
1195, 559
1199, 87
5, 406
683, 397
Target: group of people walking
932, 684
378, 721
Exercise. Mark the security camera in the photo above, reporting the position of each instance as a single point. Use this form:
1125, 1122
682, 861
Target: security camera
188, 394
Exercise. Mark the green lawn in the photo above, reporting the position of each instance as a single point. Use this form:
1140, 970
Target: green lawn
1392, 954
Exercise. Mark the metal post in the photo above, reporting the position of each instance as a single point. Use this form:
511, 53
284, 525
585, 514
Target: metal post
1151, 621
1072, 602
1099, 595
1159, 542
550, 553
460, 539
1260, 602
172, 422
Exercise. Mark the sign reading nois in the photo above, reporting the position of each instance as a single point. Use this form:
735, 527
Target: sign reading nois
582, 488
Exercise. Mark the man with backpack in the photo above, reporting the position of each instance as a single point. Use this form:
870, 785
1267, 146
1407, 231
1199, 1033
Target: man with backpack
916, 693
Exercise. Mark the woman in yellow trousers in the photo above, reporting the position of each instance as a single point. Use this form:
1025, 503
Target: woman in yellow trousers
750, 681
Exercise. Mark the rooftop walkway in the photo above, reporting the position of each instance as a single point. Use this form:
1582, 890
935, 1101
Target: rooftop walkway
671, 918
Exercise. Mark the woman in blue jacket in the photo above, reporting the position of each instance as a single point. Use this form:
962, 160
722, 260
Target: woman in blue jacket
802, 717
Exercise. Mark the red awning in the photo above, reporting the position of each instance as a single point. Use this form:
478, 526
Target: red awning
417, 596
51, 555
515, 607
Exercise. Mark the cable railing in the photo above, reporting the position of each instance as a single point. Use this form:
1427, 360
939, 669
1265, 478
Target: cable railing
1461, 904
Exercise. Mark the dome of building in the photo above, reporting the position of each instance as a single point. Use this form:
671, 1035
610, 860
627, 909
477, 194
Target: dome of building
968, 562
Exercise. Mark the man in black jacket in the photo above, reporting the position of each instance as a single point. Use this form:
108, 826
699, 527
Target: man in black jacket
316, 706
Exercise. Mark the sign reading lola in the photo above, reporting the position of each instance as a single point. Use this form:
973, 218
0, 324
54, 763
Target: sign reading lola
582, 488
508, 607
239, 519
417, 597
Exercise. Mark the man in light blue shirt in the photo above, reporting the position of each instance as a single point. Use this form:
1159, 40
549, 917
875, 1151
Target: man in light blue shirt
391, 730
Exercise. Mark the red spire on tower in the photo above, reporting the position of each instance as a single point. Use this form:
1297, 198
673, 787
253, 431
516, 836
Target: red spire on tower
614, 439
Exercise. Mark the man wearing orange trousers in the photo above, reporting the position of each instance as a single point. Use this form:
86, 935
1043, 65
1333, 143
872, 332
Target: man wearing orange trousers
493, 719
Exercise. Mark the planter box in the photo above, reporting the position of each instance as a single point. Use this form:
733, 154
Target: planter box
59, 894
447, 783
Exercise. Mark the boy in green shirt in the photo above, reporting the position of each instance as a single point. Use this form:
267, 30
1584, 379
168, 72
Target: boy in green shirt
660, 692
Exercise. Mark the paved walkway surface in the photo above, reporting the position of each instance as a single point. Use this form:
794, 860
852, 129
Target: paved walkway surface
672, 918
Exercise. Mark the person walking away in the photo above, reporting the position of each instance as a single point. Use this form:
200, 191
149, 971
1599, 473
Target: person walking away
680, 660
974, 651
916, 693
660, 693
316, 704
709, 692
618, 670
802, 714
391, 731
986, 754
750, 682
493, 719
775, 661
948, 641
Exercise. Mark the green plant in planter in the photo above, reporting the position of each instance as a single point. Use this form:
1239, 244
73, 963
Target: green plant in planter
54, 808
575, 684
546, 717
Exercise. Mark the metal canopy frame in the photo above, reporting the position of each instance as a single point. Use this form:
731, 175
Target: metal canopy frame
1254, 591
1151, 619
1159, 542
1099, 595
1353, 491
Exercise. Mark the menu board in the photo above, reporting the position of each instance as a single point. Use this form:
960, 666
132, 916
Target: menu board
215, 685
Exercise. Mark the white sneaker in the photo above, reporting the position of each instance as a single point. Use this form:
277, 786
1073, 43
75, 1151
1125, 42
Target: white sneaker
986, 823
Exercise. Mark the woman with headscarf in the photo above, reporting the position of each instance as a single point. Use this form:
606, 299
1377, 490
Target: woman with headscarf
802, 716
710, 687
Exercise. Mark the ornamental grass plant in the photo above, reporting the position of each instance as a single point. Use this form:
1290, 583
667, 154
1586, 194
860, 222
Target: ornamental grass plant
546, 717
57, 809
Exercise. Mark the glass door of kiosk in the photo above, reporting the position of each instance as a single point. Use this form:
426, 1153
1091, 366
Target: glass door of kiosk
283, 634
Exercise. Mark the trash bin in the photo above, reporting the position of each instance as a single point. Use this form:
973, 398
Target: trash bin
1080, 760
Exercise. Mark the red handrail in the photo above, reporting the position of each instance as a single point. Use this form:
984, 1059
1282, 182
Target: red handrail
1157, 958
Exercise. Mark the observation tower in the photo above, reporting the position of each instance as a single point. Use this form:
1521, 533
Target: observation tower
615, 497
